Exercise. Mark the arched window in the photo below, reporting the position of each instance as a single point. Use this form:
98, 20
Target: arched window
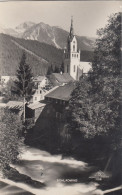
72, 55
77, 55
74, 68
73, 47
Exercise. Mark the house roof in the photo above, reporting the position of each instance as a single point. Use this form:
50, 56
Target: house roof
58, 78
62, 92
36, 105
14, 105
38, 78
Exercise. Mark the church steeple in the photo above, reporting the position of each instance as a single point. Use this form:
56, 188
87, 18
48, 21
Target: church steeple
71, 28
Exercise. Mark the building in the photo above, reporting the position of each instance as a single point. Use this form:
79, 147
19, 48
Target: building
40, 81
72, 64
34, 110
57, 79
5, 79
15, 107
38, 95
58, 99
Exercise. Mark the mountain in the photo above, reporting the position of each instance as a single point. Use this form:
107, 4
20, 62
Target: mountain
39, 55
24, 26
56, 36
44, 33
9, 31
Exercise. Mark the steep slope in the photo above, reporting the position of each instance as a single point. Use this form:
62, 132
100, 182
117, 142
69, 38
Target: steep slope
55, 36
45, 33
39, 55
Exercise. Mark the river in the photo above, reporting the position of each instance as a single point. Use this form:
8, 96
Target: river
61, 176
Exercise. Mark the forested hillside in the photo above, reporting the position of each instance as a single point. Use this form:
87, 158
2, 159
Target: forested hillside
39, 55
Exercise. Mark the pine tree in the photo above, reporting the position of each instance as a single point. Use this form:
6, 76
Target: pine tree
24, 83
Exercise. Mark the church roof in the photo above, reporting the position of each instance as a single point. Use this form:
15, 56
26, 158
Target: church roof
85, 66
62, 92
71, 34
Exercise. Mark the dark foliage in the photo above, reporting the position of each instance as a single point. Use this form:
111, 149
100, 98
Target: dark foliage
24, 83
10, 138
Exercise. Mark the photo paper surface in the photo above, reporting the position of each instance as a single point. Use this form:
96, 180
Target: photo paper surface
60, 101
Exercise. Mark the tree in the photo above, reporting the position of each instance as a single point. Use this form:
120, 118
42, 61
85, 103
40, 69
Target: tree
81, 110
50, 70
105, 77
10, 138
95, 104
7, 91
24, 83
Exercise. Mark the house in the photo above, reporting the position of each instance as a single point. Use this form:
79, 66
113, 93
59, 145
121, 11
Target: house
5, 79
59, 98
40, 81
15, 107
34, 110
72, 64
58, 79
38, 95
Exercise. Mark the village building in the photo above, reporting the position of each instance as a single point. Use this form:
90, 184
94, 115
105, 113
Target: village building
33, 110
5, 79
15, 107
38, 95
40, 81
39, 84
59, 99
57, 79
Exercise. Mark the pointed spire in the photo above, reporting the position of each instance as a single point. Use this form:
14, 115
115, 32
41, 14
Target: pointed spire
71, 28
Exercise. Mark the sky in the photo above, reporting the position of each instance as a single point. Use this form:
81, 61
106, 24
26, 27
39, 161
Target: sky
88, 16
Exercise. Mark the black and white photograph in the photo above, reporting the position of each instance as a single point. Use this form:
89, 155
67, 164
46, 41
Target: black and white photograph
60, 97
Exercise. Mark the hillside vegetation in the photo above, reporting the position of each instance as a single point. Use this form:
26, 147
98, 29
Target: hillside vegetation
39, 55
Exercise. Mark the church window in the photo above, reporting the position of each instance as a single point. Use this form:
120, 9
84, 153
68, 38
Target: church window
73, 47
73, 41
74, 68
72, 55
77, 55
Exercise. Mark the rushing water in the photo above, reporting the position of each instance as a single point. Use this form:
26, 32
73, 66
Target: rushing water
61, 176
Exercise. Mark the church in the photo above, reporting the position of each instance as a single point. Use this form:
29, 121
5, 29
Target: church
72, 64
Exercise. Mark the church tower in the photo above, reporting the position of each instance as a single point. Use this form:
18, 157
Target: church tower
71, 54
